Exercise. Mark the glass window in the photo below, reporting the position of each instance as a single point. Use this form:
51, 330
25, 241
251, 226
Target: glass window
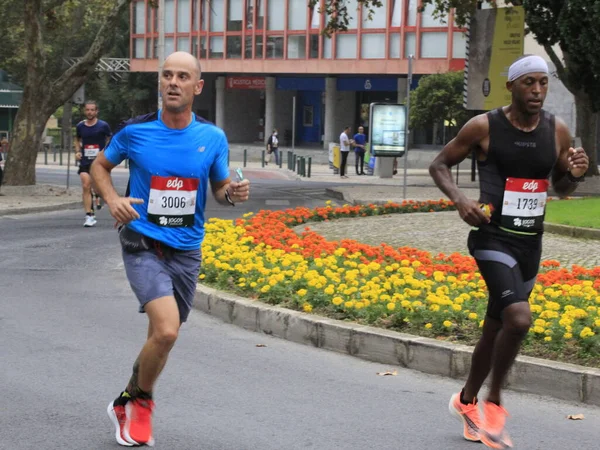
427, 19
326, 47
169, 46
234, 47
139, 18
260, 15
169, 16
148, 48
138, 48
352, 8
315, 21
195, 48
459, 45
203, 51
373, 46
412, 12
183, 44
155, 49
346, 46
378, 19
248, 47
216, 47
296, 47
274, 46
434, 45
297, 14
195, 13
275, 15
149, 19
314, 46
183, 16
397, 13
217, 13
410, 44
235, 19
204, 12
258, 52
395, 45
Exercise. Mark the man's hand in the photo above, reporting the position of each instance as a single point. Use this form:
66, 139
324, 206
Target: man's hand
239, 191
578, 162
122, 211
470, 212
78, 156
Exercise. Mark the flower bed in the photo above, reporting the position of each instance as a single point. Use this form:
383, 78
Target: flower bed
406, 289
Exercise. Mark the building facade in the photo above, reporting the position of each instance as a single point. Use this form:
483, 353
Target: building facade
263, 59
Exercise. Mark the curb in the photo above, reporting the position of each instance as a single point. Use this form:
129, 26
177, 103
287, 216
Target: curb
339, 195
563, 381
576, 232
38, 209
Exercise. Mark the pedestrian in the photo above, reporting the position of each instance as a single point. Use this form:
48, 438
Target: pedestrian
92, 136
173, 155
344, 151
273, 147
519, 147
360, 141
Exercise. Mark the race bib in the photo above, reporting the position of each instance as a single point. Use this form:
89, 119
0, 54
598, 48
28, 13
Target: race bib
91, 151
172, 201
524, 204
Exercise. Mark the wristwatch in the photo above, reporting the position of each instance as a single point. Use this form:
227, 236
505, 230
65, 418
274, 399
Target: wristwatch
573, 179
228, 198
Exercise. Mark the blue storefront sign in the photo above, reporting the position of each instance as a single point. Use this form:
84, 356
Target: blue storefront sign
385, 84
300, 83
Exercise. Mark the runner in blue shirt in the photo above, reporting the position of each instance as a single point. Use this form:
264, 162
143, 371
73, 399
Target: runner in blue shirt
173, 156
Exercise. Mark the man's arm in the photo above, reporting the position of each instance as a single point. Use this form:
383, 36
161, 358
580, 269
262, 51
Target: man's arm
572, 163
471, 135
77, 143
238, 191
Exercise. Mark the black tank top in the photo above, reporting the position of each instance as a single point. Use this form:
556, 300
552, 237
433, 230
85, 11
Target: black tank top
516, 154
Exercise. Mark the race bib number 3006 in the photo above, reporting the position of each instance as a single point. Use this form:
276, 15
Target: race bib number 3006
524, 204
172, 201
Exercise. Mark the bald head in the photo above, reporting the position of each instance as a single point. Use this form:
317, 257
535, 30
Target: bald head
183, 60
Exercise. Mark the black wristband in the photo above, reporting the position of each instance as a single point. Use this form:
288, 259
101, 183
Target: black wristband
228, 198
573, 179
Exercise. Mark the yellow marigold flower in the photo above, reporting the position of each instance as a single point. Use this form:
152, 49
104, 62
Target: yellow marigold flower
481, 322
266, 288
202, 276
434, 308
337, 301
473, 316
547, 339
417, 303
456, 307
349, 305
391, 306
253, 284
416, 264
568, 336
536, 308
586, 332
301, 292
359, 305
447, 323
597, 322
538, 329
307, 307
540, 323
428, 325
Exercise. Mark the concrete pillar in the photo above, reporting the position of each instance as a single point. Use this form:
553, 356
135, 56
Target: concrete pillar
402, 90
220, 102
270, 112
331, 134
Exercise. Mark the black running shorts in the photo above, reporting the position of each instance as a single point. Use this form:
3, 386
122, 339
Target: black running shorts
508, 263
84, 169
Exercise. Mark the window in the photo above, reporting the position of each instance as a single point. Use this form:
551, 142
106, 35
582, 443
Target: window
169, 16
297, 14
434, 45
149, 48
296, 46
138, 48
204, 12
410, 44
169, 46
248, 47
138, 18
235, 19
352, 7
254, 15
378, 18
183, 44
427, 19
373, 46
346, 46
258, 53
234, 47
216, 10
397, 13
275, 47
395, 45
216, 47
315, 21
314, 46
308, 116
149, 10
459, 45
412, 13
195, 13
195, 48
326, 47
203, 50
183, 16
275, 14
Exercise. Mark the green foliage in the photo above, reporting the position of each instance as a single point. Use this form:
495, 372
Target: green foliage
438, 97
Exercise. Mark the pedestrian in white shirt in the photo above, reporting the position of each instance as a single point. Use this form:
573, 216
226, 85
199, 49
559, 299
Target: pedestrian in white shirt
345, 143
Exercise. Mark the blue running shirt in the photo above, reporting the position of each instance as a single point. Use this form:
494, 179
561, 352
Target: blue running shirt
170, 170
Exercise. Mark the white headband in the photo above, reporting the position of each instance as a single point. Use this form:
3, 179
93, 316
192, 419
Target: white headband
529, 64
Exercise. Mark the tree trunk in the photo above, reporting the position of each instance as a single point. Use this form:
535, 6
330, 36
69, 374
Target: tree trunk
587, 130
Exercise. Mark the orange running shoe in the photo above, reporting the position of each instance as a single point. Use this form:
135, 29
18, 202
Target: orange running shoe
493, 434
138, 425
116, 412
468, 415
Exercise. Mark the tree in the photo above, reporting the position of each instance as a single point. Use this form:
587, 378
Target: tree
49, 31
572, 25
438, 98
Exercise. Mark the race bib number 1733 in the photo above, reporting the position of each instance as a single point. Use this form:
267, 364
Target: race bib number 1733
172, 201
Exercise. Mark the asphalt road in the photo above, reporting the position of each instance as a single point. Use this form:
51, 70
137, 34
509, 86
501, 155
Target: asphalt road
69, 332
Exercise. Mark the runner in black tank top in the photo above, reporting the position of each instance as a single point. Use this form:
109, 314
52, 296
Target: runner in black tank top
519, 148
